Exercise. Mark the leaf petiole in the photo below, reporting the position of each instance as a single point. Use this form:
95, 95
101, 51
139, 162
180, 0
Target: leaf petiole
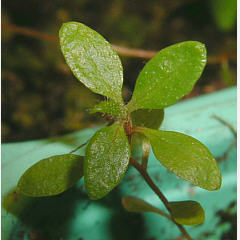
77, 148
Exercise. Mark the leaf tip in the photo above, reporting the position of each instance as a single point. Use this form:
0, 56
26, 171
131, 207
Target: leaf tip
125, 202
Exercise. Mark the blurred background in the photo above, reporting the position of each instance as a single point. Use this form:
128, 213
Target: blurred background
40, 96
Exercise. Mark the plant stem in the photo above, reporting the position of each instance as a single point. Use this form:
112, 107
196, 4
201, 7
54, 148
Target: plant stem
153, 186
146, 147
234, 132
128, 52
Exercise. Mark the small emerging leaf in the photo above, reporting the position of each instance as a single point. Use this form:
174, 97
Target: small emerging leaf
106, 161
168, 76
133, 204
51, 176
186, 157
92, 59
110, 108
151, 118
187, 212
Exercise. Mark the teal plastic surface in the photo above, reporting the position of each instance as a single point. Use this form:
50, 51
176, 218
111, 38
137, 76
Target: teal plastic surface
71, 215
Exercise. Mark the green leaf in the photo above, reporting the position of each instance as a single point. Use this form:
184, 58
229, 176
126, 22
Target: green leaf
133, 204
185, 156
110, 108
187, 212
184, 212
51, 176
225, 14
168, 76
92, 59
106, 161
16, 203
150, 118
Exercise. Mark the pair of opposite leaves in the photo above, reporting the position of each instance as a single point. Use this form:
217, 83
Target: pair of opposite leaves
165, 79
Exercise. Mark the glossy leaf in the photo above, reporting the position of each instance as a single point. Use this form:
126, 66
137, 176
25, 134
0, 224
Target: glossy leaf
51, 176
110, 108
150, 118
92, 59
106, 160
133, 204
185, 156
168, 76
187, 212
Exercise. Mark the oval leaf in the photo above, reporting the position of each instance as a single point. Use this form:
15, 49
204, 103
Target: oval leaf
168, 76
133, 204
186, 157
110, 108
107, 158
92, 59
51, 176
187, 212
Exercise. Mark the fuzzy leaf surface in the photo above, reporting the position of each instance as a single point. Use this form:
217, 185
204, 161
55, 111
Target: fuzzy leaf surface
187, 212
51, 176
106, 161
168, 76
110, 108
92, 59
186, 157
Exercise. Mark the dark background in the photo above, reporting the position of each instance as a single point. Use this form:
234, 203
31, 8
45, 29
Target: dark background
40, 96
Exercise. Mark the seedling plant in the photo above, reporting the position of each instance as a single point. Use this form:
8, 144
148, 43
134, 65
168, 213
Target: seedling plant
166, 78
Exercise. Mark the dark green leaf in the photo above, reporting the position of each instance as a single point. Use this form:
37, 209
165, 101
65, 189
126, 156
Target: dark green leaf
51, 176
106, 160
169, 76
186, 157
92, 59
187, 212
150, 118
110, 108
133, 204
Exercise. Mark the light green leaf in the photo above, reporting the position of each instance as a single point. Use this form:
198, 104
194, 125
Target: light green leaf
185, 156
187, 212
51, 176
92, 59
106, 161
150, 118
168, 76
133, 204
110, 108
